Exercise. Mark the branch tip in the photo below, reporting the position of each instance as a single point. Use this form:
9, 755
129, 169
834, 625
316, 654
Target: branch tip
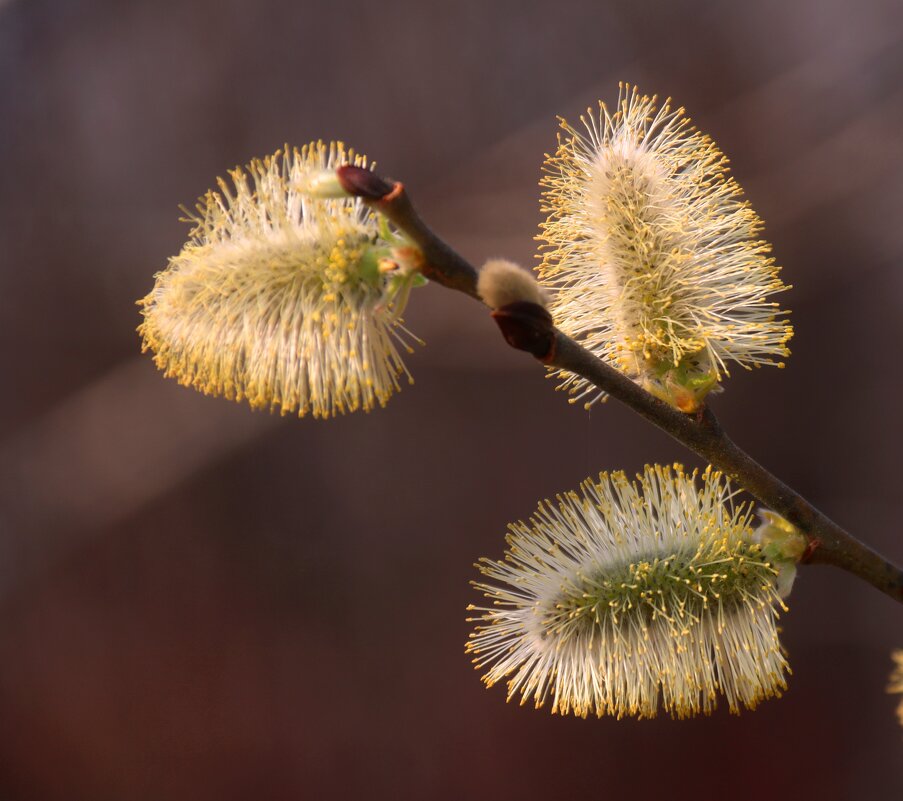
363, 183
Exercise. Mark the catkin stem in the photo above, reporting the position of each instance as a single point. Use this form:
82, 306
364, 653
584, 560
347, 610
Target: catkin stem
700, 432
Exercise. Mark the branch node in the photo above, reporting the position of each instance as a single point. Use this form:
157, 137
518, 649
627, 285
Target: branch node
811, 547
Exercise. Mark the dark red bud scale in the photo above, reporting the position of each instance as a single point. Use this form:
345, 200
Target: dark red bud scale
361, 182
527, 326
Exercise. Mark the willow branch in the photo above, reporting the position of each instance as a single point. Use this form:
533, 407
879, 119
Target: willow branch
527, 327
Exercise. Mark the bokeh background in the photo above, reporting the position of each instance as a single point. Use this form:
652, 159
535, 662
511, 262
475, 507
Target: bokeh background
201, 602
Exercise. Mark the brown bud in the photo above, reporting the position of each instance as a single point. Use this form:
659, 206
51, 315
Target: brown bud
361, 182
527, 326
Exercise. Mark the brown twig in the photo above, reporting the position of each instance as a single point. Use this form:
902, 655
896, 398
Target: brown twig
442, 264
531, 330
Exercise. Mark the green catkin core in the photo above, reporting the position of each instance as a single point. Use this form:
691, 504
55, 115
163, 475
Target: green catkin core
677, 590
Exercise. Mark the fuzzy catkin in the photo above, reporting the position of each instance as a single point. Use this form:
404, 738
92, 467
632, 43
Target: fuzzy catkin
652, 257
277, 298
630, 597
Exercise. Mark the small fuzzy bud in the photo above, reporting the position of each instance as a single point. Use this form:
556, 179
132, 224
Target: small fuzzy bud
502, 282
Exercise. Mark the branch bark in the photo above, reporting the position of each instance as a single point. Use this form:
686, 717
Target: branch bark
700, 432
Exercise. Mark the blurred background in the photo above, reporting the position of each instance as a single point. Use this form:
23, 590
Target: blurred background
201, 602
